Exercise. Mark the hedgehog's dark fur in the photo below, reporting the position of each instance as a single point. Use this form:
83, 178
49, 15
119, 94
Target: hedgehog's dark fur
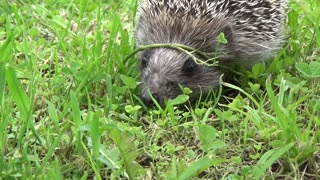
253, 29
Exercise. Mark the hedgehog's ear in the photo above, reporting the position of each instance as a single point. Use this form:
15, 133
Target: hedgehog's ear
227, 30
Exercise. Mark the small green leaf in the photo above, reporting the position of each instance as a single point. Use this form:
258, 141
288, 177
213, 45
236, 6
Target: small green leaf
311, 70
198, 166
170, 148
130, 82
200, 112
128, 151
187, 90
255, 156
257, 146
186, 114
130, 109
237, 102
181, 99
222, 39
236, 159
258, 70
245, 170
207, 135
254, 87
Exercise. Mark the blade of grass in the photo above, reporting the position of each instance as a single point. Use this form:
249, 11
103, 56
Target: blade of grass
95, 135
76, 117
53, 114
2, 80
111, 42
50, 152
23, 104
109, 97
276, 106
268, 159
92, 164
242, 91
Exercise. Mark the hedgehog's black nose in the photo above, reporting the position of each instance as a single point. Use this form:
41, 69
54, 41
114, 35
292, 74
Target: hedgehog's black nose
148, 100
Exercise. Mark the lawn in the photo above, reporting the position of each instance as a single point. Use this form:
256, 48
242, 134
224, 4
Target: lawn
70, 106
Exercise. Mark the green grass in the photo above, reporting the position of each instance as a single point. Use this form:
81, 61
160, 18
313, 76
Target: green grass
69, 106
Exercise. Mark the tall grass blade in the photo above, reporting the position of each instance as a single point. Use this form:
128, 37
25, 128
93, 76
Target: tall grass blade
2, 80
268, 159
76, 117
22, 102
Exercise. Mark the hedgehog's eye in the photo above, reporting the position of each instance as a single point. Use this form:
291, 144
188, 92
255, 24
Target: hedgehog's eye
189, 67
144, 62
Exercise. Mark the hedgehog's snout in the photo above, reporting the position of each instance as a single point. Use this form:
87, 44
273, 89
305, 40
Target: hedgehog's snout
156, 86
147, 100
152, 89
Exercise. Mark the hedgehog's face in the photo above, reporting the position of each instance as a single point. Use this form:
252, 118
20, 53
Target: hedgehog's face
163, 70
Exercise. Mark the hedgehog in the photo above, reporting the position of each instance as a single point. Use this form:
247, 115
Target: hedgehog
253, 30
